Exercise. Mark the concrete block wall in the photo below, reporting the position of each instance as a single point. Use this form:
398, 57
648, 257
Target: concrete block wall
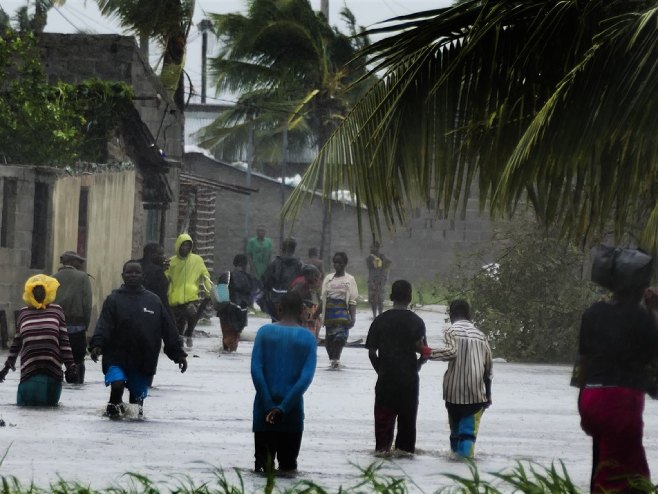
422, 250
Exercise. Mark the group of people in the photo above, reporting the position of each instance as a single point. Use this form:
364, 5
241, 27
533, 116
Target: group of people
158, 304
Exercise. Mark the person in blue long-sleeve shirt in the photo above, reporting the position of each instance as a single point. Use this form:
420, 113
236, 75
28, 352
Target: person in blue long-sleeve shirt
282, 368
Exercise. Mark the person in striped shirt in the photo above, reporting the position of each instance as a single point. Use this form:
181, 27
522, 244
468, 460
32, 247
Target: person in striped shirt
467, 382
42, 343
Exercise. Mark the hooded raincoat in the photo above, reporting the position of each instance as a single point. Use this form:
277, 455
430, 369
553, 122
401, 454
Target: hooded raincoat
185, 274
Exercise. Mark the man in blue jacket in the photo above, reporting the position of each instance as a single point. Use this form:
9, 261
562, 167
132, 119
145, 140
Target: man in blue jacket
282, 368
129, 333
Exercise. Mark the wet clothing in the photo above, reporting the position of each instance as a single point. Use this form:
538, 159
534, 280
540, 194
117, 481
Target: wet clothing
131, 328
233, 315
378, 268
155, 280
394, 335
466, 383
280, 446
282, 368
74, 295
618, 350
40, 390
470, 365
185, 274
42, 342
137, 382
260, 253
338, 294
276, 281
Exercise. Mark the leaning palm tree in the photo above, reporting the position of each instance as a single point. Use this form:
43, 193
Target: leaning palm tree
547, 103
169, 22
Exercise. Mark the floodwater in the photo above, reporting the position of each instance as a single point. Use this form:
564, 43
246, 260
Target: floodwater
200, 421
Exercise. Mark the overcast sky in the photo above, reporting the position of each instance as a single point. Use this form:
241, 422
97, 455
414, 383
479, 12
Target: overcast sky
83, 15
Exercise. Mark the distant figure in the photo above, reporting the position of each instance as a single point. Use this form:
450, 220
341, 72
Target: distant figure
278, 276
467, 382
74, 297
233, 315
394, 340
314, 260
378, 267
42, 342
259, 253
154, 262
185, 273
308, 286
616, 367
282, 368
339, 294
129, 334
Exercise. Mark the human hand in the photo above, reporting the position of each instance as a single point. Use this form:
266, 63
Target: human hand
426, 353
182, 364
95, 353
3, 373
273, 416
71, 374
488, 403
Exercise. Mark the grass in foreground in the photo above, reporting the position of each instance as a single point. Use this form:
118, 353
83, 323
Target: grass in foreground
525, 477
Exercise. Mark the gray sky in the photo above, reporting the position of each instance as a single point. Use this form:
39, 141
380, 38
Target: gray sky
83, 15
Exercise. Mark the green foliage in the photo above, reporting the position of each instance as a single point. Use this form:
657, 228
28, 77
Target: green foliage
529, 301
53, 124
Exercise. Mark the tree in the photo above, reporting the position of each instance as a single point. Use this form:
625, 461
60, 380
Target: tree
169, 22
290, 69
552, 102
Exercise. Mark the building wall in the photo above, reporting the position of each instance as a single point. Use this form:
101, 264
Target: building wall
423, 250
74, 58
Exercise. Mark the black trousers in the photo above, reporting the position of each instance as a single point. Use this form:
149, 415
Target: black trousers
386, 417
282, 446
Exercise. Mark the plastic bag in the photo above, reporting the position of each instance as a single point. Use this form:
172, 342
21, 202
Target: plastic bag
618, 269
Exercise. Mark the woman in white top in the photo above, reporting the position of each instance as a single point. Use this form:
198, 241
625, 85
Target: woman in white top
339, 293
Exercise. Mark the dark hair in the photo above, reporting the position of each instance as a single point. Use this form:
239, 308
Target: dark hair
460, 308
240, 260
309, 269
312, 252
131, 261
289, 245
150, 249
401, 291
342, 255
290, 304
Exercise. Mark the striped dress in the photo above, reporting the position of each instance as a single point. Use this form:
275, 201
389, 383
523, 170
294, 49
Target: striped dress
42, 342
469, 357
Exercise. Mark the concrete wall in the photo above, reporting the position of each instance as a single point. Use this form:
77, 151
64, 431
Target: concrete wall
426, 248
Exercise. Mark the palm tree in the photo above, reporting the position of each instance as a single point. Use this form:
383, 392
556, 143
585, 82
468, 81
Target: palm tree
290, 69
169, 22
552, 102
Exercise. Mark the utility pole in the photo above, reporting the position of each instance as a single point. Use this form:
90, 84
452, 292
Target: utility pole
324, 9
283, 182
204, 26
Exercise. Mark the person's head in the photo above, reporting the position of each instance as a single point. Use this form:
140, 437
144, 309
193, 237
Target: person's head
340, 262
312, 253
72, 258
240, 261
40, 291
459, 310
260, 233
290, 306
183, 245
288, 246
132, 274
312, 275
374, 248
401, 292
154, 253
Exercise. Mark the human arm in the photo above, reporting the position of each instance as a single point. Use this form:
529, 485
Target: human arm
488, 375
65, 351
374, 359
449, 351
352, 295
87, 300
103, 330
172, 344
258, 370
305, 377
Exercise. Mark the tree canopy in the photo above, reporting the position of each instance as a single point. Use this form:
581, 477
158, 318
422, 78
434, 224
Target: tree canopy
549, 102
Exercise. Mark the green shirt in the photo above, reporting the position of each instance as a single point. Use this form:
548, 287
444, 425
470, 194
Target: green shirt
259, 254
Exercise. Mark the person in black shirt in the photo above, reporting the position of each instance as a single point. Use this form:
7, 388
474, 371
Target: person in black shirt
394, 339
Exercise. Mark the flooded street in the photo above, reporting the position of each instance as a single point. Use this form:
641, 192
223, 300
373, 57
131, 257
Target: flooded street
201, 420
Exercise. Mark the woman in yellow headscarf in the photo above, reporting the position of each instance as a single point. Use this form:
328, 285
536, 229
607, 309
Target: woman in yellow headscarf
43, 344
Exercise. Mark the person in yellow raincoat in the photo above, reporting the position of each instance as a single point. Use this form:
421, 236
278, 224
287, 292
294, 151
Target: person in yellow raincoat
43, 344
